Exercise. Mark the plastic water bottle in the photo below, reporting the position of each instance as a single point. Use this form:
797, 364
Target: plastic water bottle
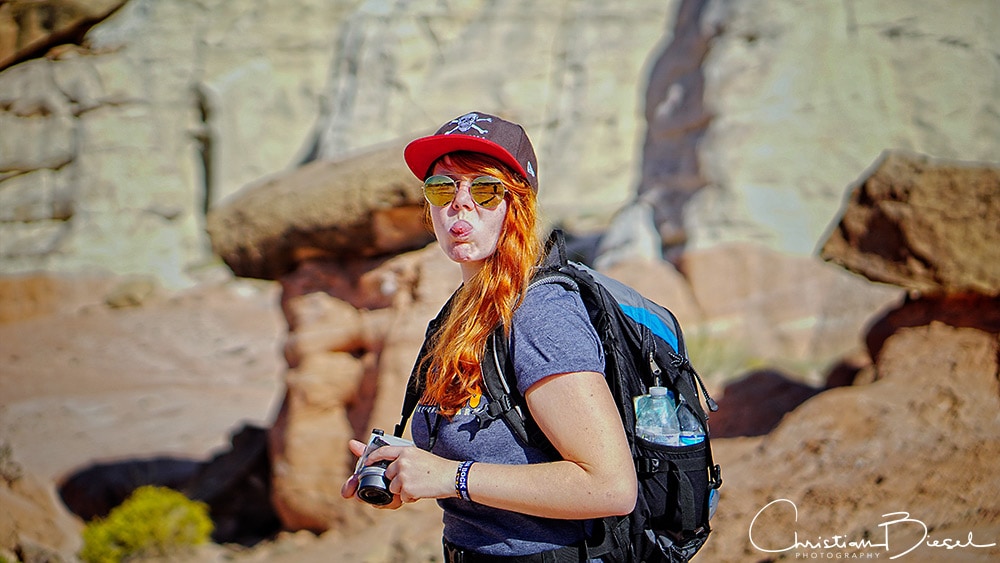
691, 430
656, 417
713, 502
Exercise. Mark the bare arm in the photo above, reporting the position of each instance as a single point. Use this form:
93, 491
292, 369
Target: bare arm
595, 478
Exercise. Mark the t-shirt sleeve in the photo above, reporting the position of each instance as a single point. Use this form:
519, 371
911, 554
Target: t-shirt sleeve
551, 334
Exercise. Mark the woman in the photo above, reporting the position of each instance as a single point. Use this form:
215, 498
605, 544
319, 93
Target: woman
501, 497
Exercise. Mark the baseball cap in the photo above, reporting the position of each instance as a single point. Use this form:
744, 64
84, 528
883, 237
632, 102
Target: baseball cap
476, 132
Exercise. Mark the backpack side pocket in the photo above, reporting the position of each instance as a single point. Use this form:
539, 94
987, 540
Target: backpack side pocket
671, 522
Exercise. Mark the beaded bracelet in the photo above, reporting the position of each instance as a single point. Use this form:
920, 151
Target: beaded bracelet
462, 480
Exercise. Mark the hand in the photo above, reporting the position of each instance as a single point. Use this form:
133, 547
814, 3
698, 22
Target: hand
350, 487
413, 473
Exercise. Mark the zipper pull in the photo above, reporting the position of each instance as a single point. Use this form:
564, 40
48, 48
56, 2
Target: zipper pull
654, 369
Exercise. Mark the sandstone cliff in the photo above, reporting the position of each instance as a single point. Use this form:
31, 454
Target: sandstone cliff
717, 134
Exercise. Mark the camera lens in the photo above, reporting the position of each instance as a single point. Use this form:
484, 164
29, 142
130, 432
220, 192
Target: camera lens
373, 487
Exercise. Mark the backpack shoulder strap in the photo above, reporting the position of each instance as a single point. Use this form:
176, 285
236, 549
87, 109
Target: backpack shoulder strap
499, 380
500, 386
498, 371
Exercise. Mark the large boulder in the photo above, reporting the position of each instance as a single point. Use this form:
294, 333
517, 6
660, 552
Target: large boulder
924, 439
930, 226
900, 461
366, 206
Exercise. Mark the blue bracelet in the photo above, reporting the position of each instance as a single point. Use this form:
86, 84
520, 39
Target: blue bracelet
462, 480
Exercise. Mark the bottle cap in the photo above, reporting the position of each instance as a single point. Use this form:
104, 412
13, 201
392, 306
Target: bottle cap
658, 391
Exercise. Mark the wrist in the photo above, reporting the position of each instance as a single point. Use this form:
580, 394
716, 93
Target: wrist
462, 480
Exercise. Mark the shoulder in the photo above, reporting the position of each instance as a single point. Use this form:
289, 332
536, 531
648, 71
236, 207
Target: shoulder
549, 304
552, 334
552, 296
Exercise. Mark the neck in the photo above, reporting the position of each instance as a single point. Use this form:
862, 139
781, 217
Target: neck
470, 269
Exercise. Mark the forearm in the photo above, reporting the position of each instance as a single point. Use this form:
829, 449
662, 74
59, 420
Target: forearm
560, 489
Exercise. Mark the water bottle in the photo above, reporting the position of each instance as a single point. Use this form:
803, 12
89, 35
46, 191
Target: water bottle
691, 430
656, 417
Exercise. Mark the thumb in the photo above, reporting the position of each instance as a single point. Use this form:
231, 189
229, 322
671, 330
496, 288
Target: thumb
349, 487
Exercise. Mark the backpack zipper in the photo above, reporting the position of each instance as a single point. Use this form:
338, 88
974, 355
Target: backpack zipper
654, 369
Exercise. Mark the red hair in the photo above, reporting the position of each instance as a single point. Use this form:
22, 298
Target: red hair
490, 297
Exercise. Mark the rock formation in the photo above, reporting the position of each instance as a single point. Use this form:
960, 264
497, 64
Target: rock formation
803, 95
119, 148
929, 226
366, 206
735, 121
918, 431
31, 29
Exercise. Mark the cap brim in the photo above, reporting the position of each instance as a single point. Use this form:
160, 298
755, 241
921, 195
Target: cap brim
422, 152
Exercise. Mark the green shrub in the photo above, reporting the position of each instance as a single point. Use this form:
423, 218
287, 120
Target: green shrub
153, 521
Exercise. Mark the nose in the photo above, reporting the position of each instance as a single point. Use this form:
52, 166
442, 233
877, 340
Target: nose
463, 196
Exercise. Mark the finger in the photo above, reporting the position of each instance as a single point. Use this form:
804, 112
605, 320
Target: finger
384, 453
349, 487
357, 448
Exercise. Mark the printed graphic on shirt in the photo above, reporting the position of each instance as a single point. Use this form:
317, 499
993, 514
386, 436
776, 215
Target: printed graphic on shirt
473, 407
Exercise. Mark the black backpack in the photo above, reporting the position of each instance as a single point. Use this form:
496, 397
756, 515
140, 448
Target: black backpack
643, 346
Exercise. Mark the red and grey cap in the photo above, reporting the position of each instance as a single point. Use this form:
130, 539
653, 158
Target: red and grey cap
476, 132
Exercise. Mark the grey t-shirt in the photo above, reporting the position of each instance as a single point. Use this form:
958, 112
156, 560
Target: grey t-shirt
551, 334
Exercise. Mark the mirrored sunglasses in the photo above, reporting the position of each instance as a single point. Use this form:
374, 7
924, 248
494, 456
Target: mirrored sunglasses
486, 191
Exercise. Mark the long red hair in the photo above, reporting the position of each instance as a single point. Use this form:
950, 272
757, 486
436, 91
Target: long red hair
490, 297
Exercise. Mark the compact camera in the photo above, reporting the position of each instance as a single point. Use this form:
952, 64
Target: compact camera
373, 486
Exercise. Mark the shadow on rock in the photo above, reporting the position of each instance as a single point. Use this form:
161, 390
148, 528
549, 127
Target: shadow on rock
755, 404
234, 484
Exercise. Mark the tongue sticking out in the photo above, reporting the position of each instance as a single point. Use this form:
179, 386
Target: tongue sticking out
461, 228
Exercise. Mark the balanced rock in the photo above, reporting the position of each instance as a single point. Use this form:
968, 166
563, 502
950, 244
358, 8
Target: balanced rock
930, 226
364, 206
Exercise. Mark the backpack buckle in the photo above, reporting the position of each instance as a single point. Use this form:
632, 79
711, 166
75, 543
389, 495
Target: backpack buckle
488, 415
648, 465
715, 477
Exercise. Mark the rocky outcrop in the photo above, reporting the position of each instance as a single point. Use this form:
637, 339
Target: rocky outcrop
927, 225
366, 206
757, 113
923, 439
31, 28
354, 331
167, 108
163, 109
907, 451
803, 95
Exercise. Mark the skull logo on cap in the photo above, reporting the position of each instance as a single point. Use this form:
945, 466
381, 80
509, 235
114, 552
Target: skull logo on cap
468, 121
